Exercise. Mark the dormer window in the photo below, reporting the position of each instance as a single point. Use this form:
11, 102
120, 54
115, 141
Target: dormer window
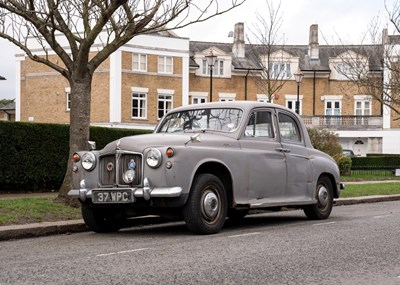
279, 70
218, 69
349, 70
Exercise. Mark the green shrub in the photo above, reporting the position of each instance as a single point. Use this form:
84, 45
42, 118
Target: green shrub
326, 141
34, 156
344, 164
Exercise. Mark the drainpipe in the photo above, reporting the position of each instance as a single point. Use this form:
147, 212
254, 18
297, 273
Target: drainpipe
245, 85
313, 110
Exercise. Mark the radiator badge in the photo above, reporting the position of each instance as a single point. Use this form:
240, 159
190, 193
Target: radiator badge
110, 166
132, 164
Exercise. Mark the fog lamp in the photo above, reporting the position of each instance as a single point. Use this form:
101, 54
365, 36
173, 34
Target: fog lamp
129, 176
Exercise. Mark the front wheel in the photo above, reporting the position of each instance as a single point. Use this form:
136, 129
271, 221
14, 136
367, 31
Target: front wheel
102, 220
206, 209
324, 195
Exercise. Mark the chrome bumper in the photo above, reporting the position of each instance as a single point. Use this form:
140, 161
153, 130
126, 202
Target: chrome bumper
146, 192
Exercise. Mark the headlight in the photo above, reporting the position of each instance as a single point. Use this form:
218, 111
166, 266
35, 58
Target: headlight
154, 158
88, 161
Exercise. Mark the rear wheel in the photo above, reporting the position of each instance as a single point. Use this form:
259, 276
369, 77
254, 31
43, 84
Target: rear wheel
206, 209
102, 220
324, 195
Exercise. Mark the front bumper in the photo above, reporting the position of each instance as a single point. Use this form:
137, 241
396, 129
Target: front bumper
146, 192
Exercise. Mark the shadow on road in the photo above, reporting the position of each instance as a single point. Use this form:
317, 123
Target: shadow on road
174, 226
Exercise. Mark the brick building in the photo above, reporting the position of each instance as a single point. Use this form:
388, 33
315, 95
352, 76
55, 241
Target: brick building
151, 74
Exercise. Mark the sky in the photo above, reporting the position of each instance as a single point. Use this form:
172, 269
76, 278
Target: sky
344, 20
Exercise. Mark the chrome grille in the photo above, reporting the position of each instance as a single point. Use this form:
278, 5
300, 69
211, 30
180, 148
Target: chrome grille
120, 163
107, 177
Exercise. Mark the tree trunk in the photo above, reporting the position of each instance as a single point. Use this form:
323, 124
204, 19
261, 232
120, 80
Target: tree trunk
79, 127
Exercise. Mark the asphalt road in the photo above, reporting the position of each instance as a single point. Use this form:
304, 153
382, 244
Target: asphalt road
359, 244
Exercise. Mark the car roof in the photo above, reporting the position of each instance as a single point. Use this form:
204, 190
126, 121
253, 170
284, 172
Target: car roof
245, 105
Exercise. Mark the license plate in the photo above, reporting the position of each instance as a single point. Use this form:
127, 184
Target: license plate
112, 197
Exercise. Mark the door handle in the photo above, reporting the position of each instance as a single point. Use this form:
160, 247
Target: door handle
280, 149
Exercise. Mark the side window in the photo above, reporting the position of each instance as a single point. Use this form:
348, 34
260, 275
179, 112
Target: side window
260, 125
288, 128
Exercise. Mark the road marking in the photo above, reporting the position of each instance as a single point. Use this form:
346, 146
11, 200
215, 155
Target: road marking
243, 235
106, 254
122, 252
323, 224
384, 216
133, 250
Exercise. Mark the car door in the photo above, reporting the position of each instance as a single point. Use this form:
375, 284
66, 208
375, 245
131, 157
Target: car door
297, 157
266, 171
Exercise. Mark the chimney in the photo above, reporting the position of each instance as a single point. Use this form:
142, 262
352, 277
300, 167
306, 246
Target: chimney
238, 40
385, 36
313, 48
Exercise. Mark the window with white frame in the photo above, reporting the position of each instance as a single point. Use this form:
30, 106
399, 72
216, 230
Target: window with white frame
291, 103
279, 70
218, 68
351, 70
362, 108
139, 105
333, 107
198, 97
68, 97
165, 64
262, 98
165, 103
199, 100
139, 62
225, 97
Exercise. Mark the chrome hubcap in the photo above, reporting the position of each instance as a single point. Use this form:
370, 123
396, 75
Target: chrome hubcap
210, 205
323, 196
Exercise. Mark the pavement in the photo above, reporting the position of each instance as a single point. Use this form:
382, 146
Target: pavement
74, 226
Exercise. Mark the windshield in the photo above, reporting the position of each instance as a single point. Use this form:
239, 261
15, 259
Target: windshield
222, 119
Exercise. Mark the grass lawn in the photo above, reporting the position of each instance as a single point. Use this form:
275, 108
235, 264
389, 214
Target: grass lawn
34, 210
357, 190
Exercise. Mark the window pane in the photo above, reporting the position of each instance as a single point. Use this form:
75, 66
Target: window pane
204, 66
139, 105
288, 128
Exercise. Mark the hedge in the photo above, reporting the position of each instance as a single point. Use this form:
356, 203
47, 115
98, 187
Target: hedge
382, 162
34, 156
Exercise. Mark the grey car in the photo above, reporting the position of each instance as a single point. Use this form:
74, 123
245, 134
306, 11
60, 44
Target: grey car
204, 163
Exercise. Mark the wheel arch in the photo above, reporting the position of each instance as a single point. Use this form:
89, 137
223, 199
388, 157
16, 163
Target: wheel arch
333, 182
222, 172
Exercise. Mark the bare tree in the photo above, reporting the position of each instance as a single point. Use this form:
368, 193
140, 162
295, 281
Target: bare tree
374, 68
268, 49
70, 28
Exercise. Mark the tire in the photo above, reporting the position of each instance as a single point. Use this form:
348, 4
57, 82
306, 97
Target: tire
206, 209
102, 220
324, 195
237, 214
